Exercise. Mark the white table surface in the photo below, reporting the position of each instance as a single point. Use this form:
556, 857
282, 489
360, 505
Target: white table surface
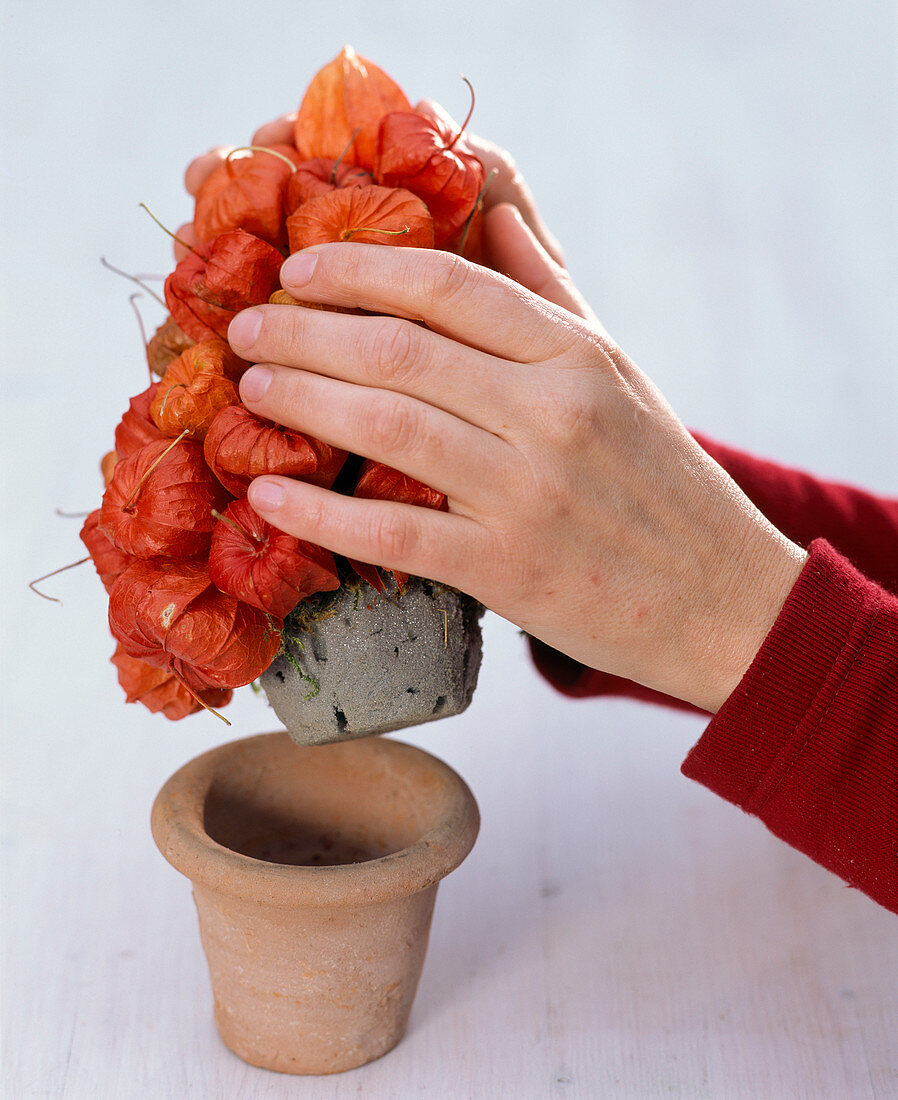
724, 183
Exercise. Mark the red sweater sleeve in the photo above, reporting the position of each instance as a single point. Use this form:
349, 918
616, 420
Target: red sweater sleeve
808, 741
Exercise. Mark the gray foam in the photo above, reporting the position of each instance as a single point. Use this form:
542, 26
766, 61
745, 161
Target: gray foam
380, 662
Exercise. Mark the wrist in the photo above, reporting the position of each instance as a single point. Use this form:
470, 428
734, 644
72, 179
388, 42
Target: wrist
763, 574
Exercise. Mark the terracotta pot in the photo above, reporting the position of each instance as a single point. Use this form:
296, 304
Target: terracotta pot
314, 873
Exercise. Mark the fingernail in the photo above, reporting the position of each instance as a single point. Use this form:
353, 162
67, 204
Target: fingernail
244, 329
266, 496
297, 270
254, 383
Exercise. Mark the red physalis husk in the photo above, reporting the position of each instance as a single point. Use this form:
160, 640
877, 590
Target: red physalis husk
108, 560
107, 465
426, 157
136, 429
264, 566
366, 215
246, 192
195, 389
200, 320
168, 513
160, 690
170, 615
165, 345
146, 598
240, 270
377, 481
319, 177
240, 446
344, 103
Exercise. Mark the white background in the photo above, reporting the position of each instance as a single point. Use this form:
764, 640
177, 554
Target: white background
723, 178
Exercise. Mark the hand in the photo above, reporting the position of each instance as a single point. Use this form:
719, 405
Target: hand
580, 508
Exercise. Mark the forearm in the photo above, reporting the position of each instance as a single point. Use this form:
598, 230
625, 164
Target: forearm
808, 741
861, 526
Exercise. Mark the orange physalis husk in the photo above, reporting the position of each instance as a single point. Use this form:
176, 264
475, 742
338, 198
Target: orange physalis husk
136, 429
160, 690
246, 192
170, 615
365, 215
282, 298
199, 319
348, 94
240, 271
321, 176
107, 465
165, 345
195, 389
265, 567
240, 446
159, 501
377, 481
425, 156
108, 560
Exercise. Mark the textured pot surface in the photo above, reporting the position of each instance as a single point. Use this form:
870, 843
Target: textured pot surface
315, 871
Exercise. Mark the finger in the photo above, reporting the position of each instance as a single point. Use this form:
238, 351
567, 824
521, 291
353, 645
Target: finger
200, 168
278, 132
385, 353
444, 452
513, 249
186, 234
508, 184
420, 541
454, 297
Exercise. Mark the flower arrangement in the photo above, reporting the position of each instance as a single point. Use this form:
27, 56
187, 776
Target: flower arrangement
199, 585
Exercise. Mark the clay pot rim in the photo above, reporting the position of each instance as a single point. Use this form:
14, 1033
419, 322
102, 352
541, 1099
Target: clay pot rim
177, 826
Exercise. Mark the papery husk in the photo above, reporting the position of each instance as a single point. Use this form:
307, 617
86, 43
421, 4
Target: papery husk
159, 690
246, 192
170, 513
363, 215
195, 389
265, 567
240, 446
348, 94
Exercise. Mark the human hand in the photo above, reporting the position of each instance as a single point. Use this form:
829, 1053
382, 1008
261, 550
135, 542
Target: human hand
580, 508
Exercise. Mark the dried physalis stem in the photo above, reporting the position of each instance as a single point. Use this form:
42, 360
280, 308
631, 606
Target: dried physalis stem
348, 233
62, 569
478, 206
467, 116
234, 525
133, 278
339, 159
174, 237
260, 149
193, 694
143, 332
70, 515
126, 507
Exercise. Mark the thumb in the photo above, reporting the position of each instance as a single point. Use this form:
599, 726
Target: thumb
513, 250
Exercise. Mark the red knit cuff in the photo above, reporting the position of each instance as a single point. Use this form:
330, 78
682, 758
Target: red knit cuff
794, 676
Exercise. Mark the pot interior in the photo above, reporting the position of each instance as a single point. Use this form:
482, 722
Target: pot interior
323, 805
